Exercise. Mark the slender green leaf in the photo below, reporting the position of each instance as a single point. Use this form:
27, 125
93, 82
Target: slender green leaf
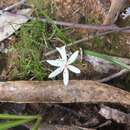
37, 124
10, 117
110, 59
10, 124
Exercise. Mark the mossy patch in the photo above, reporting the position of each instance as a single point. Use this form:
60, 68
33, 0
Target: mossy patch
31, 41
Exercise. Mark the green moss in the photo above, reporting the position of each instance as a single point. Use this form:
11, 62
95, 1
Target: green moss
31, 41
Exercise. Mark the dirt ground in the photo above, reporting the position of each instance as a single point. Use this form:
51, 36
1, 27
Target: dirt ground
82, 115
6, 3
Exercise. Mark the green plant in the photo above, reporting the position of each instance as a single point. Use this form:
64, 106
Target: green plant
59, 34
43, 5
14, 120
111, 59
97, 42
32, 40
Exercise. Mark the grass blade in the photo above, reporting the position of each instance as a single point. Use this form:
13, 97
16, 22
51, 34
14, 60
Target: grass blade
16, 117
110, 59
37, 124
10, 124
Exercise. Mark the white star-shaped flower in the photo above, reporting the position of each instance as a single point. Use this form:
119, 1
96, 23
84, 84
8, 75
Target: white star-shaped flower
126, 14
64, 65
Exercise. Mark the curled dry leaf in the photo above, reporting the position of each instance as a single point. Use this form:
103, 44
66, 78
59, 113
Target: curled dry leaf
114, 114
10, 22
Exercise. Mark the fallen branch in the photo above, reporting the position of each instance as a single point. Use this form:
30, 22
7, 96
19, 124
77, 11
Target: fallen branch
54, 92
61, 127
81, 26
88, 27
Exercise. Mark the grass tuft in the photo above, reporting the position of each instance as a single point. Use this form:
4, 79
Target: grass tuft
31, 41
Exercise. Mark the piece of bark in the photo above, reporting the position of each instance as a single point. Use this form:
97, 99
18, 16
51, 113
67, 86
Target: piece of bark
54, 92
116, 7
115, 115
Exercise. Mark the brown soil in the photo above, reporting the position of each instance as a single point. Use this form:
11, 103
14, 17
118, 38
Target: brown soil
74, 11
5, 3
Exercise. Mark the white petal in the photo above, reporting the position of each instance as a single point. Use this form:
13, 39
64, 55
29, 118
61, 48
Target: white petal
62, 52
73, 57
57, 62
74, 69
66, 77
56, 72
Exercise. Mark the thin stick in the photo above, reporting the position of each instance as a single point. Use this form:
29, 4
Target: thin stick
113, 76
73, 25
15, 5
88, 38
86, 26
81, 26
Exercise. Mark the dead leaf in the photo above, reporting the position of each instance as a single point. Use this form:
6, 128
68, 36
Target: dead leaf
11, 22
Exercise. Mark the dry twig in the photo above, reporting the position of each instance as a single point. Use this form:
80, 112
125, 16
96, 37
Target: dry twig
118, 74
15, 5
88, 27
88, 38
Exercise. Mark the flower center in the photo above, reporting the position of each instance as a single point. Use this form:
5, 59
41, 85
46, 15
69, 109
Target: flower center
66, 65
